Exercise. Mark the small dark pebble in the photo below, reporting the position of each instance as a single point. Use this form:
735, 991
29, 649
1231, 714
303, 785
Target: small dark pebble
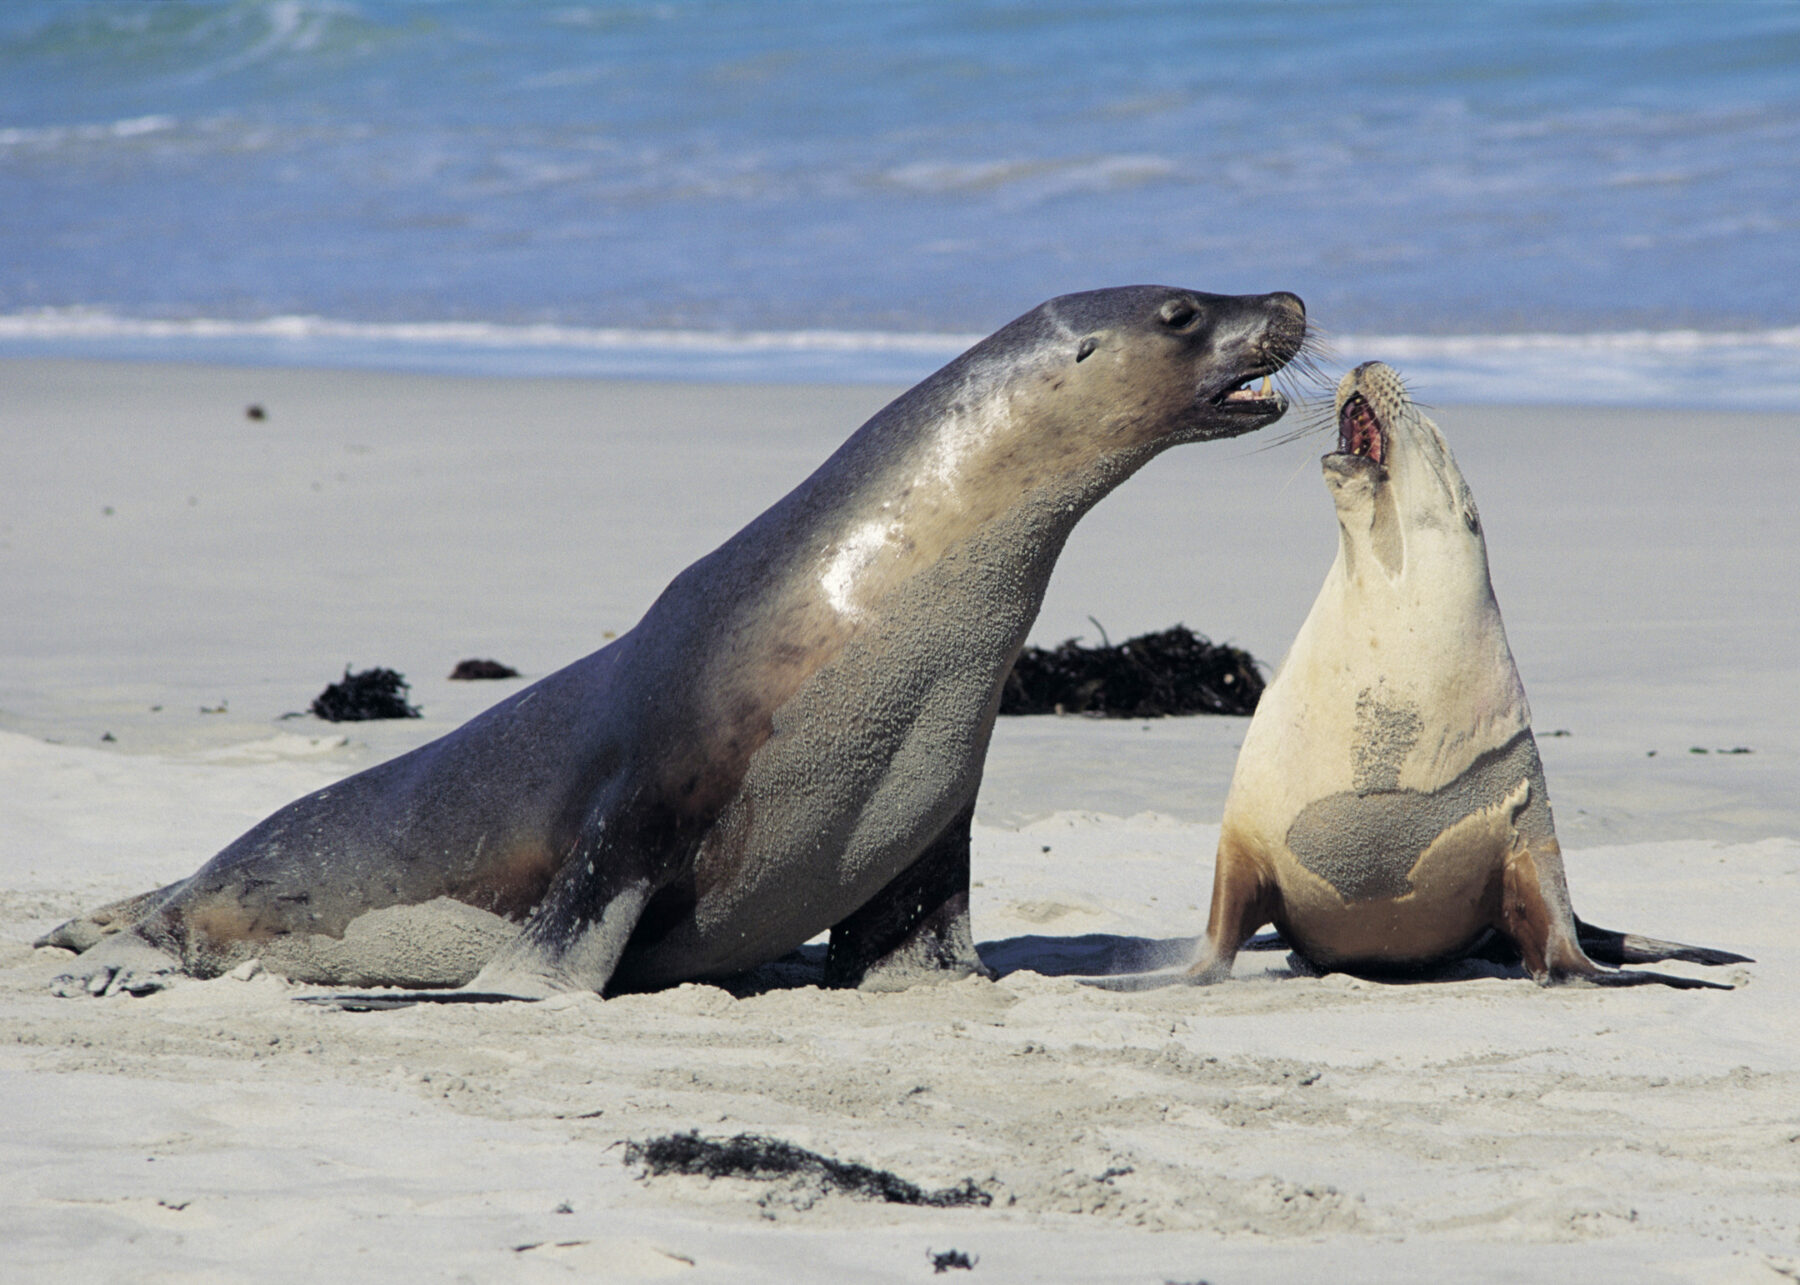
108, 736
255, 411
472, 669
1173, 672
749, 1155
943, 1262
371, 694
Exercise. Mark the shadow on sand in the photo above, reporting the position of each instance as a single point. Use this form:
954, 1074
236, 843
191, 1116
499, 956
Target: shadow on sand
1110, 954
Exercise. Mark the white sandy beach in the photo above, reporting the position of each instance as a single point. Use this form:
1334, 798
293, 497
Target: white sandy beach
176, 577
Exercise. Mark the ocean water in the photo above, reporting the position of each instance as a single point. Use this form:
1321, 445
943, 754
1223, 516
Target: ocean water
1515, 201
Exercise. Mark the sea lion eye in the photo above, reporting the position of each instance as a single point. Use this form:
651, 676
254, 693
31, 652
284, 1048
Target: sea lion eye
1087, 348
1178, 314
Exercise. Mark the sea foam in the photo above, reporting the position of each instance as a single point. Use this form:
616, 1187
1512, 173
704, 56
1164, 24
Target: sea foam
1737, 370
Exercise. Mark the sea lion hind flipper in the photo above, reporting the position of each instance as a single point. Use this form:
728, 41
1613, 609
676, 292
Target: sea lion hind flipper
1642, 977
121, 963
379, 1001
1534, 912
917, 927
571, 943
1607, 946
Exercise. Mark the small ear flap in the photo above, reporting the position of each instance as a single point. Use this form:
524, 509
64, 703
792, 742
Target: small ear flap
1087, 348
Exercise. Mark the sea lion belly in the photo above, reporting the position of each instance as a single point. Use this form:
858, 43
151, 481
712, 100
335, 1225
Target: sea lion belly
1406, 876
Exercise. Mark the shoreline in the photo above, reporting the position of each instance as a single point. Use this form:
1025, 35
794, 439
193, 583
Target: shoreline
1754, 369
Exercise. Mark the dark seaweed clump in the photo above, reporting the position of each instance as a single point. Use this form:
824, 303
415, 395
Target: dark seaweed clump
374, 693
1173, 672
467, 670
749, 1155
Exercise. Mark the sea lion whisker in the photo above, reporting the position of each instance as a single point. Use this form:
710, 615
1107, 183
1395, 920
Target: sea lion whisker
1315, 416
1296, 434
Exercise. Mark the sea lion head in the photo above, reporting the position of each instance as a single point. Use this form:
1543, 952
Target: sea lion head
1044, 417
1399, 495
1160, 365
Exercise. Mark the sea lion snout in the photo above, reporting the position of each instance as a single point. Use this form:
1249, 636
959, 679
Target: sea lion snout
1370, 400
1270, 329
1357, 469
1250, 338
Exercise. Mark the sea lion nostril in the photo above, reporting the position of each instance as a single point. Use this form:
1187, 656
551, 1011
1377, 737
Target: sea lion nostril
1292, 302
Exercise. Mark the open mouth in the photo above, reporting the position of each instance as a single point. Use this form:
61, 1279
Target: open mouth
1252, 398
1359, 432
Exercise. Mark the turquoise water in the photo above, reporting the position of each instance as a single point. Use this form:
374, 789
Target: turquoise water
810, 189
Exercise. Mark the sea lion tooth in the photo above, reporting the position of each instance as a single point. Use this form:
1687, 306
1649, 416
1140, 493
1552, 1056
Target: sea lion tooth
790, 740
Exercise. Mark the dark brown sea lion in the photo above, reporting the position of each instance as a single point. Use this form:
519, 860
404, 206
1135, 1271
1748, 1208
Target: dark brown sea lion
790, 740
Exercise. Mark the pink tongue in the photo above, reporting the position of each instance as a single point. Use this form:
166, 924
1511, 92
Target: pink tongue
1359, 433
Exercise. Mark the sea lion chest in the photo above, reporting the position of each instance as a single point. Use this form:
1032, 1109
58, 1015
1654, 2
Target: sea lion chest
866, 763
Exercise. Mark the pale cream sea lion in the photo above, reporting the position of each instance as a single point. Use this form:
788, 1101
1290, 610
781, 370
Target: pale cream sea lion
1388, 809
790, 740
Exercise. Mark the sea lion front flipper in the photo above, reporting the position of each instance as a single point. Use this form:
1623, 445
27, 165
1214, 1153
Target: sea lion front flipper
1546, 933
1244, 898
915, 928
1609, 947
574, 938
